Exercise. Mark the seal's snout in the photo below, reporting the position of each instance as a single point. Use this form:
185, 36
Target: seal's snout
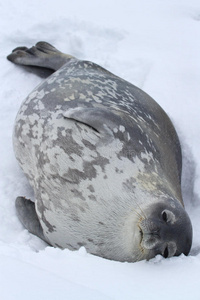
157, 239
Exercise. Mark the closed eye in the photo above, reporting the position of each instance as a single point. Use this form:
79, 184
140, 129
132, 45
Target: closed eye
166, 252
164, 216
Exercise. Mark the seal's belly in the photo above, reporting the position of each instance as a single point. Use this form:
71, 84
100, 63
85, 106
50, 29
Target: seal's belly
75, 178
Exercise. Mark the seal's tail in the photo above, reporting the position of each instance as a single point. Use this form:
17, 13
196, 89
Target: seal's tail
41, 56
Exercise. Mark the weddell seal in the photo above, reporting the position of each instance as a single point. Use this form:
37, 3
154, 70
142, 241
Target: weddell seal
104, 161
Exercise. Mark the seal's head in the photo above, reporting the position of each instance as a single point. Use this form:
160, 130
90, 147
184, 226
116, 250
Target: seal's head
165, 229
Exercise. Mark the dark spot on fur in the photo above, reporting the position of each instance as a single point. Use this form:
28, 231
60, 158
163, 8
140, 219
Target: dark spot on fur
75, 218
118, 171
78, 194
88, 144
69, 246
41, 208
71, 158
92, 197
66, 140
91, 240
81, 244
129, 184
91, 188
101, 223
82, 208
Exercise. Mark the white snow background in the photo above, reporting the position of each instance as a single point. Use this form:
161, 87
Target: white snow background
155, 45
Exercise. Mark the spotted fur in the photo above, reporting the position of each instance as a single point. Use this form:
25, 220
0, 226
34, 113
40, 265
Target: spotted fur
98, 152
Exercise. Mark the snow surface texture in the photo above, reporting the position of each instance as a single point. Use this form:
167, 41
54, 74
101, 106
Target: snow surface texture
153, 44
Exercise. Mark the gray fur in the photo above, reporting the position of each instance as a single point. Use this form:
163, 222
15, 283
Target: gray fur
104, 161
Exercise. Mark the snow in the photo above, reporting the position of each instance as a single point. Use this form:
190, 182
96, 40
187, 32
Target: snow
153, 44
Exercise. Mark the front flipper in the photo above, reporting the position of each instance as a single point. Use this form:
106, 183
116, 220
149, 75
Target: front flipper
41, 55
102, 120
28, 217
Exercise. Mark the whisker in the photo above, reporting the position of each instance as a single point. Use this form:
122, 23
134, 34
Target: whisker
142, 212
140, 256
138, 214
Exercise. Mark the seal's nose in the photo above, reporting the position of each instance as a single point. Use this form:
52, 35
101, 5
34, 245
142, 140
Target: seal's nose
158, 236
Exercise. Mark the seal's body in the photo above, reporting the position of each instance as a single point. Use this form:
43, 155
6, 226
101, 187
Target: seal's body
104, 161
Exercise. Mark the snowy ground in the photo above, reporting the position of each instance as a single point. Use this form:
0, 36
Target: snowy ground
153, 44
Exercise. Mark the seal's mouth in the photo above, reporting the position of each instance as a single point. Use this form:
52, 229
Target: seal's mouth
141, 234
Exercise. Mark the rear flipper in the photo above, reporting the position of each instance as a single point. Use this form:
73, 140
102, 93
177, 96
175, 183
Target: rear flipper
28, 217
41, 55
